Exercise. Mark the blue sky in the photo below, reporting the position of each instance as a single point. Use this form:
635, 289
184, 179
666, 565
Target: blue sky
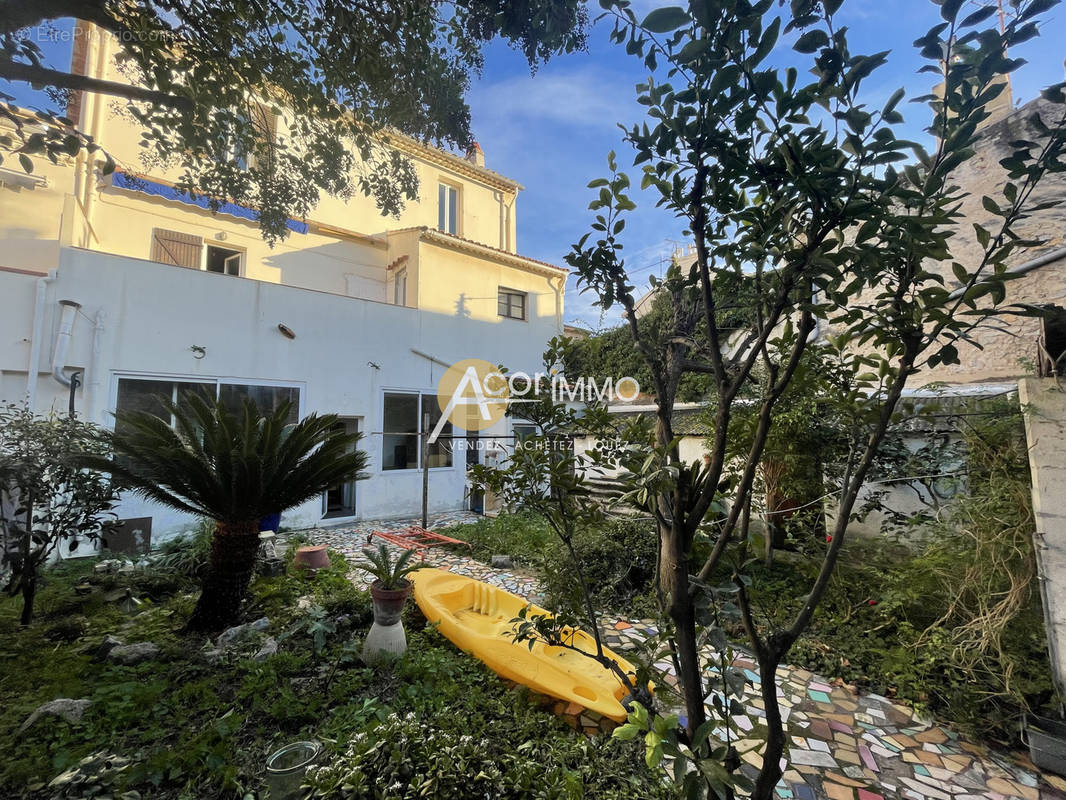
552, 131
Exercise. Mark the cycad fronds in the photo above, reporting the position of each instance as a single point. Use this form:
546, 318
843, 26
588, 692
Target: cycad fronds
379, 563
231, 468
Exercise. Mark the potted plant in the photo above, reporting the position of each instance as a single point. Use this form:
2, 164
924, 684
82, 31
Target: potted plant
389, 591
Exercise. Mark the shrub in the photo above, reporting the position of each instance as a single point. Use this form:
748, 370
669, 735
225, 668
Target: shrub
187, 555
408, 757
524, 537
618, 560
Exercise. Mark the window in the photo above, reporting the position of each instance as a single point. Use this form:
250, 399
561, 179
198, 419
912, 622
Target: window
137, 394
339, 499
447, 208
523, 431
145, 394
511, 303
266, 398
223, 260
406, 417
186, 250
399, 288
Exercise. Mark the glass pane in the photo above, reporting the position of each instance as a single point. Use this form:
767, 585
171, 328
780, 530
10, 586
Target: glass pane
206, 391
267, 399
502, 306
142, 395
399, 451
400, 426
453, 222
442, 205
440, 451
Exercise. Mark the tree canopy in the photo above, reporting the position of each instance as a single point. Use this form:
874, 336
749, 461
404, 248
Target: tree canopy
207, 79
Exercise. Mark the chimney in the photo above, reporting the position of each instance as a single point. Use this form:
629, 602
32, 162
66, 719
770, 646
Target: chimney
476, 156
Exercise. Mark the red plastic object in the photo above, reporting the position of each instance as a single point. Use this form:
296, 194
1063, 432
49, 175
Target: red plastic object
416, 538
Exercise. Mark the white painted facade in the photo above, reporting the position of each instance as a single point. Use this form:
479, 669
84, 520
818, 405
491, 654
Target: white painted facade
139, 318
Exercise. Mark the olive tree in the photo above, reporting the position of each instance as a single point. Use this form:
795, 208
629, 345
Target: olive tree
787, 177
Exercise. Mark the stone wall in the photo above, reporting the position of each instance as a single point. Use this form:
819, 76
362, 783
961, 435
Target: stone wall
1008, 345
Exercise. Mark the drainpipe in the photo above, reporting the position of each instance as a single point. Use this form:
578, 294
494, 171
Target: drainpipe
1023, 268
66, 330
93, 385
35, 338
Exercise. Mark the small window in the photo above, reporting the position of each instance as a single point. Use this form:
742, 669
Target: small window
223, 260
144, 394
511, 304
402, 429
399, 288
447, 208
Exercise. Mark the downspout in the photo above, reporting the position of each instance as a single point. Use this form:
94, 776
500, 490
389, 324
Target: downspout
66, 332
1022, 269
93, 384
35, 338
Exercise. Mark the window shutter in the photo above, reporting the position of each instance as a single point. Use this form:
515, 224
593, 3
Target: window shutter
179, 249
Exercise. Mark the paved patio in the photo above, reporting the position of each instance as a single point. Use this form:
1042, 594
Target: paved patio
843, 745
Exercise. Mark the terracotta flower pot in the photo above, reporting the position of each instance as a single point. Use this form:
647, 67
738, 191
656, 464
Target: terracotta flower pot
312, 557
388, 603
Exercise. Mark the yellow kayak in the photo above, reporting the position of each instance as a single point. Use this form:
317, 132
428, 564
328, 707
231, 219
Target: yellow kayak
476, 616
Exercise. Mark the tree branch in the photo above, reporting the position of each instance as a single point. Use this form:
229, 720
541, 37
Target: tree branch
28, 73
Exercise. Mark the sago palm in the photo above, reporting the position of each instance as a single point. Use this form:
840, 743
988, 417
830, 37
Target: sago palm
234, 469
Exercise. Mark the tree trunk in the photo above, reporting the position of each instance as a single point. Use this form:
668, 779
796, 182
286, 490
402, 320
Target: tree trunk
771, 772
233, 550
675, 584
29, 592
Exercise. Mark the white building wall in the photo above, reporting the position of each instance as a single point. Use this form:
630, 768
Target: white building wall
142, 318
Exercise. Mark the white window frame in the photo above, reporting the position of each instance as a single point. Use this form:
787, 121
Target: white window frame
360, 424
503, 290
238, 252
399, 288
453, 204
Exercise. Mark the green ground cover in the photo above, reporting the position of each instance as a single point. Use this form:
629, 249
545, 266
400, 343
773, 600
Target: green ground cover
178, 726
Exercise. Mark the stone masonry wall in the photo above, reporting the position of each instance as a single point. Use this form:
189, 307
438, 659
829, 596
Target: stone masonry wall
1009, 344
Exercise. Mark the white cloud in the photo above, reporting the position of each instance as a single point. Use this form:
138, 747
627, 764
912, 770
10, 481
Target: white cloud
584, 97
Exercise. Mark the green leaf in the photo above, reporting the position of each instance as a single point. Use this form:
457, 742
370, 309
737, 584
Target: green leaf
664, 20
811, 42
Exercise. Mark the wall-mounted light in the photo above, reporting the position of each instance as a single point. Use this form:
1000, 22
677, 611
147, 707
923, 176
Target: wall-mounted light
221, 236
286, 331
372, 364
198, 351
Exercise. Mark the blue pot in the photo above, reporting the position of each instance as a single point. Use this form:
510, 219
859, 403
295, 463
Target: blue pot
270, 522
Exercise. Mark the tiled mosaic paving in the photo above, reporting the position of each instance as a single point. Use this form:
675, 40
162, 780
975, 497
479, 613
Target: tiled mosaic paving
842, 746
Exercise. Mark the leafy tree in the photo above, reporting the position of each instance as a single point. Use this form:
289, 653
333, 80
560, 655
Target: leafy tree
234, 469
206, 80
610, 353
46, 497
544, 476
789, 178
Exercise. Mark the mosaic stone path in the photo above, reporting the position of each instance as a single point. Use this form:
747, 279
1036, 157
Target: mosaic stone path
842, 745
